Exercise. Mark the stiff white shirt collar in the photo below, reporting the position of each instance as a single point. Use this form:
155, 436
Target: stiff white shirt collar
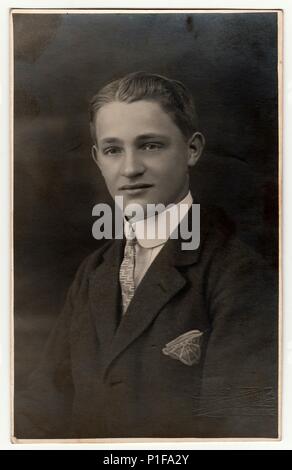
155, 230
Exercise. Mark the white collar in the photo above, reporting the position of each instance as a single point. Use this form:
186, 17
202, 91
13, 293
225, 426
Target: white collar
154, 231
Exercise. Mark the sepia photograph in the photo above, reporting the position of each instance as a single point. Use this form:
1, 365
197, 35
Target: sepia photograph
146, 220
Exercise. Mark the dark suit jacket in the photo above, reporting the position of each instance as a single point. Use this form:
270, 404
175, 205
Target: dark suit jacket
104, 377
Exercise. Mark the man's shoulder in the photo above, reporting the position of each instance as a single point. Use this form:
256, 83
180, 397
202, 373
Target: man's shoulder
89, 265
216, 223
92, 261
222, 242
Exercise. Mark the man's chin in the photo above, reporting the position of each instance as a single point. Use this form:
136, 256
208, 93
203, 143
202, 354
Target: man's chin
136, 208
142, 209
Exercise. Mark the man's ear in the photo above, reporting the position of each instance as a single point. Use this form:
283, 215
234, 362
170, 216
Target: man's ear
196, 146
94, 154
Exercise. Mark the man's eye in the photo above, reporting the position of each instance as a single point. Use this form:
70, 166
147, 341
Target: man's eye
111, 150
152, 146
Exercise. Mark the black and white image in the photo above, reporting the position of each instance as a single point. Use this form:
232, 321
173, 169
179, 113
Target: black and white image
146, 222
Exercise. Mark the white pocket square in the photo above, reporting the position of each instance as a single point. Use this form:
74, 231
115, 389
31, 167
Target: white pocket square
185, 348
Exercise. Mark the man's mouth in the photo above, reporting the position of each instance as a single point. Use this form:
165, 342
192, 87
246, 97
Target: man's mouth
133, 186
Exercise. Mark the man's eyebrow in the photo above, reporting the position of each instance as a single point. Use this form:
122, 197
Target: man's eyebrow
146, 136
110, 140
150, 135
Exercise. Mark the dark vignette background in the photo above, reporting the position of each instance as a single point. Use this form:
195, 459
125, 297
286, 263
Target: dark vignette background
229, 62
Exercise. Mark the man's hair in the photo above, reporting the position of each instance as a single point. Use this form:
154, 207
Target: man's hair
172, 95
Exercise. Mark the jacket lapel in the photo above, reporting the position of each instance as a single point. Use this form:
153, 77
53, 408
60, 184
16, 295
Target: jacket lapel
104, 293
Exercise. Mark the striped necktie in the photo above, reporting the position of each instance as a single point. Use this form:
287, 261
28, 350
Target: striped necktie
127, 269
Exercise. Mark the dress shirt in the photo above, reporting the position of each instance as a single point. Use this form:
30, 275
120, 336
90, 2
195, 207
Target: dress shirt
153, 232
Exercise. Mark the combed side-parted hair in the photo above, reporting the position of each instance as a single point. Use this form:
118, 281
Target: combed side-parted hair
172, 95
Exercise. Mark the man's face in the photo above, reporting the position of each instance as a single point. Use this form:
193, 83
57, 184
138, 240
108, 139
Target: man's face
141, 153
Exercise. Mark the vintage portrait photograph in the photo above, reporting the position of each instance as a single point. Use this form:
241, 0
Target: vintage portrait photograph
146, 219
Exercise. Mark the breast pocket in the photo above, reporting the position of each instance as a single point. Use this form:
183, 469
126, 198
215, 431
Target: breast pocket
186, 348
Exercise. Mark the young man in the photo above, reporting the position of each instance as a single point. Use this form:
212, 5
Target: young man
156, 340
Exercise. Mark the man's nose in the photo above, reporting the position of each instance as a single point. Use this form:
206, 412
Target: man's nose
132, 164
